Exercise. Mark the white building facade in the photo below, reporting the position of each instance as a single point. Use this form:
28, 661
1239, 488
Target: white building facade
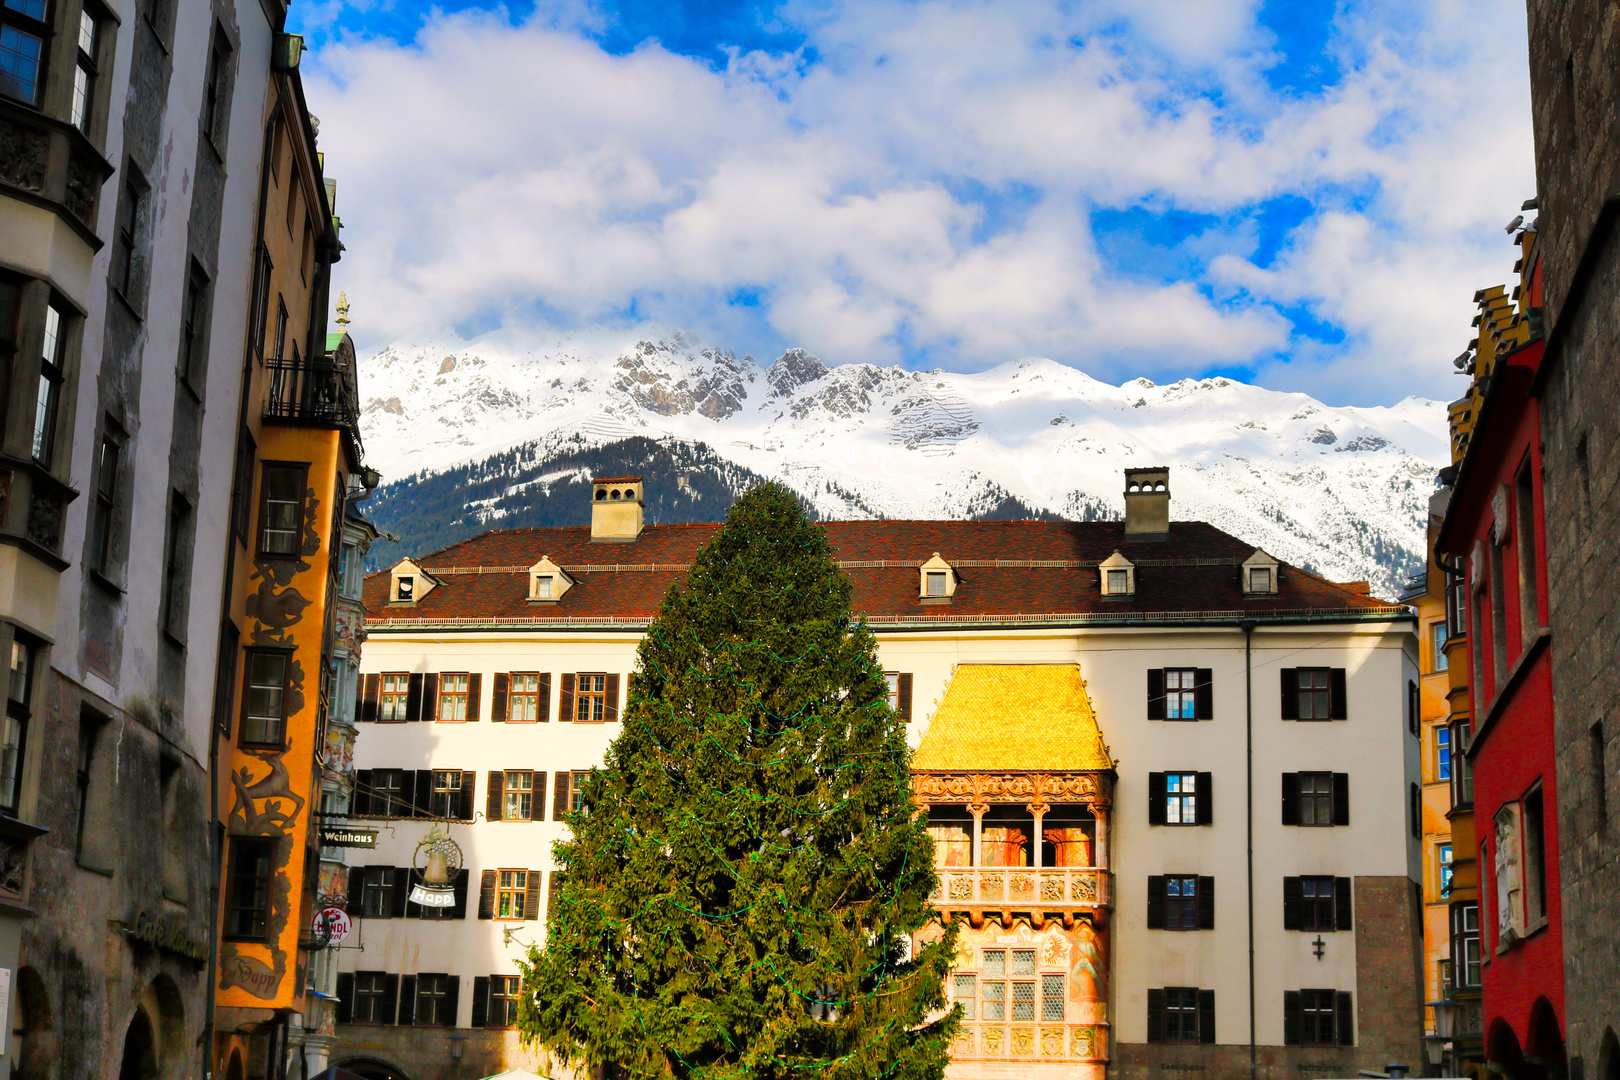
1228, 865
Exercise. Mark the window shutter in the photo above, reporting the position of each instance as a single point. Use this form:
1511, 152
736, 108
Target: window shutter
1341, 903
1155, 703
1293, 899
1290, 693
407, 999
469, 785
610, 704
1155, 912
1205, 794
413, 697
345, 996
430, 696
1416, 811
1206, 903
486, 895
360, 798
452, 1001
531, 895
537, 800
459, 910
903, 694
390, 997
1290, 796
1290, 1017
401, 890
422, 796
480, 1012
1344, 1020
1155, 1016
372, 687
565, 707
497, 704
1204, 693
1339, 706
494, 797
560, 808
1413, 706
475, 682
1341, 798
413, 910
356, 886
545, 696
1206, 1016
1156, 797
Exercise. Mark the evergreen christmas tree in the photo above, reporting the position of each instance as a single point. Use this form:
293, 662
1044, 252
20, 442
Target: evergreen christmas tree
740, 888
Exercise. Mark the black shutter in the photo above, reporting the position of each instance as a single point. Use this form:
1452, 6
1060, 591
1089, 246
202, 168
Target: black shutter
1155, 704
1290, 1017
1340, 707
497, 704
345, 996
1341, 903
459, 911
531, 895
480, 1012
1206, 1016
1413, 706
360, 800
430, 696
469, 784
1204, 693
1416, 811
407, 999
401, 890
492, 805
1155, 1016
474, 684
1290, 793
565, 707
1204, 795
413, 697
1206, 903
560, 810
452, 1001
1344, 1020
1155, 912
422, 796
545, 696
357, 886
390, 998
1290, 693
1156, 797
368, 703
903, 697
610, 699
1293, 900
1341, 798
486, 895
537, 803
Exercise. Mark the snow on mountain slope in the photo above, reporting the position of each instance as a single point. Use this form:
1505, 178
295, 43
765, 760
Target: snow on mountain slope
1341, 490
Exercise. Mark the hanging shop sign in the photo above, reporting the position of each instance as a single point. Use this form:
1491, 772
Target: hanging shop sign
343, 836
331, 925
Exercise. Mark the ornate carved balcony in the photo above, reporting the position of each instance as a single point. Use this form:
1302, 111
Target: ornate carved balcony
49, 162
1041, 892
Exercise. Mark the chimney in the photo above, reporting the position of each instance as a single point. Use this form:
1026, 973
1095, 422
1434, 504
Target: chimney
615, 509
1147, 504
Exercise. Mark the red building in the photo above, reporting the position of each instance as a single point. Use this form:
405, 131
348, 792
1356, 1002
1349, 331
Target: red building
1495, 532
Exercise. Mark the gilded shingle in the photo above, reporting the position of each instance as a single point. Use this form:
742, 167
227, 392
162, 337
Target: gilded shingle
1024, 717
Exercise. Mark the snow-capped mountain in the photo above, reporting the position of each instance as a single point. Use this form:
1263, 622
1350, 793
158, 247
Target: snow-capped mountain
1341, 490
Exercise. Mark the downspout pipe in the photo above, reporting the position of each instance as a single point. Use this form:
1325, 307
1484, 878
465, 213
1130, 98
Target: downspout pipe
1248, 625
227, 593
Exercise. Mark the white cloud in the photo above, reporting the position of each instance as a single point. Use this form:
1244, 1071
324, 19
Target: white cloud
521, 174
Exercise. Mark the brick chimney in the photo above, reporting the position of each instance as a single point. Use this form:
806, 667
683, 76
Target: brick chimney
615, 509
1147, 504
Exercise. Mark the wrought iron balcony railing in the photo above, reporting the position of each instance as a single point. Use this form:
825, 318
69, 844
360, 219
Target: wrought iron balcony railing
314, 391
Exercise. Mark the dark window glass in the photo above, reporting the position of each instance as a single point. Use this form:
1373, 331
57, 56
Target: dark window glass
1316, 798
1462, 770
125, 232
283, 509
106, 505
372, 1002
1316, 904
1181, 903
22, 51
446, 793
281, 328
264, 716
19, 711
1316, 1017
1181, 1014
176, 575
84, 74
377, 892
1465, 944
1535, 857
50, 382
503, 1000
214, 86
1315, 696
192, 314
247, 910
390, 797
433, 1001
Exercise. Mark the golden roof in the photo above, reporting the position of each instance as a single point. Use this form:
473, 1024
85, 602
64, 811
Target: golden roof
1021, 717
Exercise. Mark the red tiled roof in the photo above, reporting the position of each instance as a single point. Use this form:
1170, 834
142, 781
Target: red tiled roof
1193, 573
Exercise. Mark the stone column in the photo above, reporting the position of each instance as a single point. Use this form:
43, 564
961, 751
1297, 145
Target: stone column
1038, 812
978, 811
1100, 848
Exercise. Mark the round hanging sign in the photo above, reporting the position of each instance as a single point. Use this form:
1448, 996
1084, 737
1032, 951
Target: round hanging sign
331, 925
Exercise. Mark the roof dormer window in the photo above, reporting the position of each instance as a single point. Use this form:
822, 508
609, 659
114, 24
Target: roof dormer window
937, 581
1118, 576
405, 588
1259, 575
547, 582
409, 583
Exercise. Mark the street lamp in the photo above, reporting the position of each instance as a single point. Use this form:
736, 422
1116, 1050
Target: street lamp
1445, 1026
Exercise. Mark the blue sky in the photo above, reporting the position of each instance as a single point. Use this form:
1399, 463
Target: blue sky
1300, 194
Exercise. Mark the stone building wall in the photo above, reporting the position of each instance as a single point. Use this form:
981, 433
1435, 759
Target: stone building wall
1574, 55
